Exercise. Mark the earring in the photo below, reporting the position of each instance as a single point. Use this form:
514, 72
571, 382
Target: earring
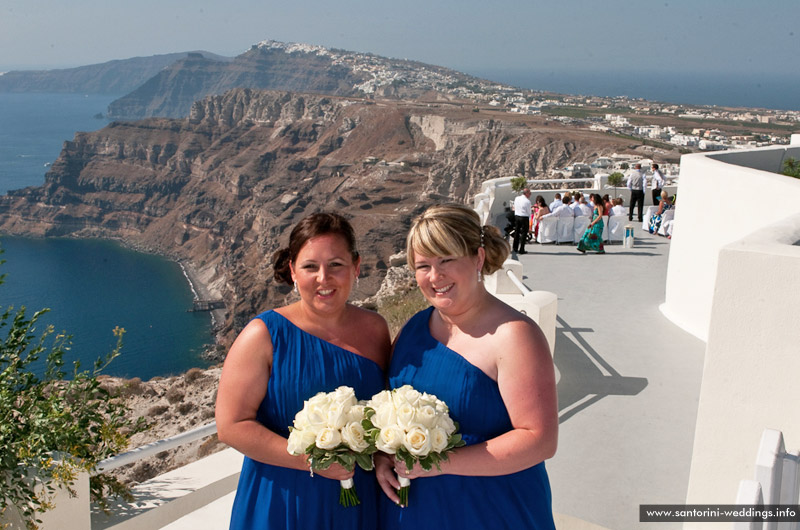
480, 276
295, 288
356, 282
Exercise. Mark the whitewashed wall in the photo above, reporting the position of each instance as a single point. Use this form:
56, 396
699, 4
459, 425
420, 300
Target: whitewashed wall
752, 361
719, 203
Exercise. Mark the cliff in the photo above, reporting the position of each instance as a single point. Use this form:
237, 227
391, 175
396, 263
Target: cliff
112, 77
222, 187
272, 65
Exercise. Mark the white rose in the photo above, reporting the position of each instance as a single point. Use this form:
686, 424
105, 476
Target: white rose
338, 414
390, 439
380, 398
418, 441
328, 438
405, 415
428, 399
344, 395
406, 394
385, 416
441, 407
301, 420
353, 436
299, 440
356, 413
426, 416
438, 439
316, 412
446, 422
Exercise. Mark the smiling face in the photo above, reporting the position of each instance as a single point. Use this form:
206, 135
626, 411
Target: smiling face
449, 283
325, 271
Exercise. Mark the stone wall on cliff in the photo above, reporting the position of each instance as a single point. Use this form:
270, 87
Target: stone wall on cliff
223, 187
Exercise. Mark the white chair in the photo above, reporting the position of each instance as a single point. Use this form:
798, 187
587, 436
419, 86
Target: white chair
564, 230
616, 228
605, 228
667, 226
648, 214
666, 217
548, 229
579, 227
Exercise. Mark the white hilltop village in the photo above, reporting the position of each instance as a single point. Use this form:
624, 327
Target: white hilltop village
386, 71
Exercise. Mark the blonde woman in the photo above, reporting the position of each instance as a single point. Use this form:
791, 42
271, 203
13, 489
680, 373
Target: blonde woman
493, 368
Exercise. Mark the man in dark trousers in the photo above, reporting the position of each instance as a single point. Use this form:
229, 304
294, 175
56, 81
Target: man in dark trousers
522, 218
637, 183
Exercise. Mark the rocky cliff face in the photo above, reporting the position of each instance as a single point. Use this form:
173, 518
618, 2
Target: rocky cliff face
223, 187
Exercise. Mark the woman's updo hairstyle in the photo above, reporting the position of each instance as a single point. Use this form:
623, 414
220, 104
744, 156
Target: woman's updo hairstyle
455, 230
314, 225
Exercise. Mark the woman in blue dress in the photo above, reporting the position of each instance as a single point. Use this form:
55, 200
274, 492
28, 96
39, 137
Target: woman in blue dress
593, 236
492, 366
663, 205
287, 355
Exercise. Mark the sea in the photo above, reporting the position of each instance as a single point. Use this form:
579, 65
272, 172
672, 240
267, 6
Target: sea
91, 286
776, 91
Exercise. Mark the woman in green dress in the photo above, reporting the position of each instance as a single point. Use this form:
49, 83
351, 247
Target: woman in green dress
593, 237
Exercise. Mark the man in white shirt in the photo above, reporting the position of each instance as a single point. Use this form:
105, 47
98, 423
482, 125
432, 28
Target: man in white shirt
556, 203
617, 209
583, 207
576, 205
522, 220
637, 182
658, 183
564, 210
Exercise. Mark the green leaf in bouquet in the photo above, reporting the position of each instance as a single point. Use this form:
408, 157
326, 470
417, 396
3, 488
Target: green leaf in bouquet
455, 441
427, 462
405, 456
347, 460
369, 412
364, 461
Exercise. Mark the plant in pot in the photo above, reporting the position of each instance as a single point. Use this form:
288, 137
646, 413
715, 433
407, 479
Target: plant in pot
616, 180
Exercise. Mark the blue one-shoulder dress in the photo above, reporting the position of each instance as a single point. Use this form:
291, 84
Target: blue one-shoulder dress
518, 500
280, 498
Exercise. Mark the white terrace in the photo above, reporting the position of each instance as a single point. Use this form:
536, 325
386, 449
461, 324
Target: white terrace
673, 357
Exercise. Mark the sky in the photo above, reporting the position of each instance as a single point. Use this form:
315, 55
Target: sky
668, 50
735, 36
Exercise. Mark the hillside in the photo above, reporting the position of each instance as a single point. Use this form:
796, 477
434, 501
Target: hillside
112, 77
272, 65
222, 188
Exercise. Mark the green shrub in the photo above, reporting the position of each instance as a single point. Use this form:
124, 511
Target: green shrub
791, 168
616, 180
41, 415
519, 183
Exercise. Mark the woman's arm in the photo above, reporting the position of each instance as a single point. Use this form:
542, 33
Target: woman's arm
242, 388
527, 385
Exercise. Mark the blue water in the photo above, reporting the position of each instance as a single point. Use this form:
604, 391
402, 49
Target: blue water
770, 91
91, 286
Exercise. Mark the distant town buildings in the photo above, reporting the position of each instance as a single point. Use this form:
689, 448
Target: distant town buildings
382, 73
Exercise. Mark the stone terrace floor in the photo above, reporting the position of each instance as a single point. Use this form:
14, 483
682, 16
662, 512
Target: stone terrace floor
628, 389
629, 381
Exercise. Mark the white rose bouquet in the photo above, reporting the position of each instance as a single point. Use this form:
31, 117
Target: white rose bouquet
413, 426
329, 430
